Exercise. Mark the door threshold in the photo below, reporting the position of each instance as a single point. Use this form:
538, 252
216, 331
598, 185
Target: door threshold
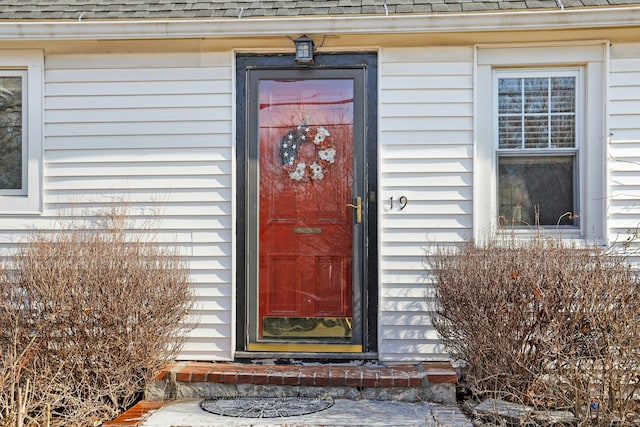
304, 347
305, 356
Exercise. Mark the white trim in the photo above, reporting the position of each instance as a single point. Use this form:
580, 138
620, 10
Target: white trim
30, 202
379, 206
545, 19
606, 152
234, 208
590, 58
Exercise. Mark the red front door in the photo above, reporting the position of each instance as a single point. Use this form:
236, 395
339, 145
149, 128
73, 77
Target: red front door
305, 221
305, 224
306, 200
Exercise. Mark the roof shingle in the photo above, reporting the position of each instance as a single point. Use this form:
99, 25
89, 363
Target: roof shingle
166, 9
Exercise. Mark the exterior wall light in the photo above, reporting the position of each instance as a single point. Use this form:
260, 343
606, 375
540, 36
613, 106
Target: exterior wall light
304, 50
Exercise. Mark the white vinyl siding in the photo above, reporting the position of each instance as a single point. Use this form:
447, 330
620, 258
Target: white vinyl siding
425, 155
624, 141
152, 131
155, 130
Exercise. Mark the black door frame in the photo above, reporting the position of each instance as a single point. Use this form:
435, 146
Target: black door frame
368, 268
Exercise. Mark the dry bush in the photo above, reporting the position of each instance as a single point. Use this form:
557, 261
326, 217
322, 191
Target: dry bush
543, 323
87, 314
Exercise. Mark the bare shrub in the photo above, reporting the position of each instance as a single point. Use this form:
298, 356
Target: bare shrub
87, 314
543, 323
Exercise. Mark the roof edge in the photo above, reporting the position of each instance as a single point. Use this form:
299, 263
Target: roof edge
601, 17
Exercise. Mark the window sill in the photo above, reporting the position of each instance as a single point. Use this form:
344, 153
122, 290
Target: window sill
564, 233
20, 213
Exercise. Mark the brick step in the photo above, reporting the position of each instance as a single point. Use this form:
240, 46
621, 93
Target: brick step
432, 381
135, 415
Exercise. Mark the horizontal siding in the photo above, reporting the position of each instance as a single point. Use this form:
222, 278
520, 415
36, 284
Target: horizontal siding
426, 155
624, 147
154, 131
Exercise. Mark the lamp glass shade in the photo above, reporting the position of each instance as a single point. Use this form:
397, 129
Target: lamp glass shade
304, 50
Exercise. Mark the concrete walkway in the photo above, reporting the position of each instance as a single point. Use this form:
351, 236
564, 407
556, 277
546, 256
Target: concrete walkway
187, 413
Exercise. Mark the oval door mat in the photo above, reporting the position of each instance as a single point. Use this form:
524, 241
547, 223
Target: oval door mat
265, 407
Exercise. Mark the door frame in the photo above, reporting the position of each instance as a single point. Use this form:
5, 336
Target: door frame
367, 267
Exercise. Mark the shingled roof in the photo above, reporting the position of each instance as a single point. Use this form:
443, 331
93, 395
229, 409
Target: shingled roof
166, 9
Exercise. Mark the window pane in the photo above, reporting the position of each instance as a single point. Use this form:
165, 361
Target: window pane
509, 96
10, 133
536, 131
547, 105
563, 131
510, 132
563, 94
536, 94
530, 187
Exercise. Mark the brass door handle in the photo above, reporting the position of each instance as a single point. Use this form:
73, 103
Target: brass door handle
358, 208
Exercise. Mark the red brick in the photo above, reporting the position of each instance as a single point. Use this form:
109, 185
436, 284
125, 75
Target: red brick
291, 378
313, 375
416, 380
440, 372
260, 369
214, 377
338, 376
275, 378
385, 380
400, 378
437, 365
204, 365
369, 378
307, 378
407, 368
135, 415
199, 375
275, 374
442, 378
244, 377
225, 367
243, 368
184, 376
229, 377
161, 375
258, 378
353, 378
323, 377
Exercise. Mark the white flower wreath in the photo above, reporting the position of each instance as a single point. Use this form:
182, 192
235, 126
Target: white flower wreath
325, 152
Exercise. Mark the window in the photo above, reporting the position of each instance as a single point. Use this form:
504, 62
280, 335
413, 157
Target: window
12, 147
20, 131
537, 148
540, 140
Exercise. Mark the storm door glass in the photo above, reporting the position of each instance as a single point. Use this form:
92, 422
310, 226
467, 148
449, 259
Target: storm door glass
305, 241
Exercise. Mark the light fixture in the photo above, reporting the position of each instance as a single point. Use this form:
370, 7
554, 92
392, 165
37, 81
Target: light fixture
304, 50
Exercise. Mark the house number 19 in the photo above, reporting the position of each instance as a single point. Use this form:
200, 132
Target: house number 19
403, 202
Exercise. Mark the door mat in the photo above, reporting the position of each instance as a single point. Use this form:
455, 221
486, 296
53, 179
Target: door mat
265, 407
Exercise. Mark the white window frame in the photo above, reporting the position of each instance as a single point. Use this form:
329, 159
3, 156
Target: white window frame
24, 120
590, 60
29, 64
575, 72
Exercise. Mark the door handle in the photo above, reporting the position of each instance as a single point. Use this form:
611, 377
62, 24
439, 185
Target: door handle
358, 208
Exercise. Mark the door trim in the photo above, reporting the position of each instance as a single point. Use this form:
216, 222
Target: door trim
367, 267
